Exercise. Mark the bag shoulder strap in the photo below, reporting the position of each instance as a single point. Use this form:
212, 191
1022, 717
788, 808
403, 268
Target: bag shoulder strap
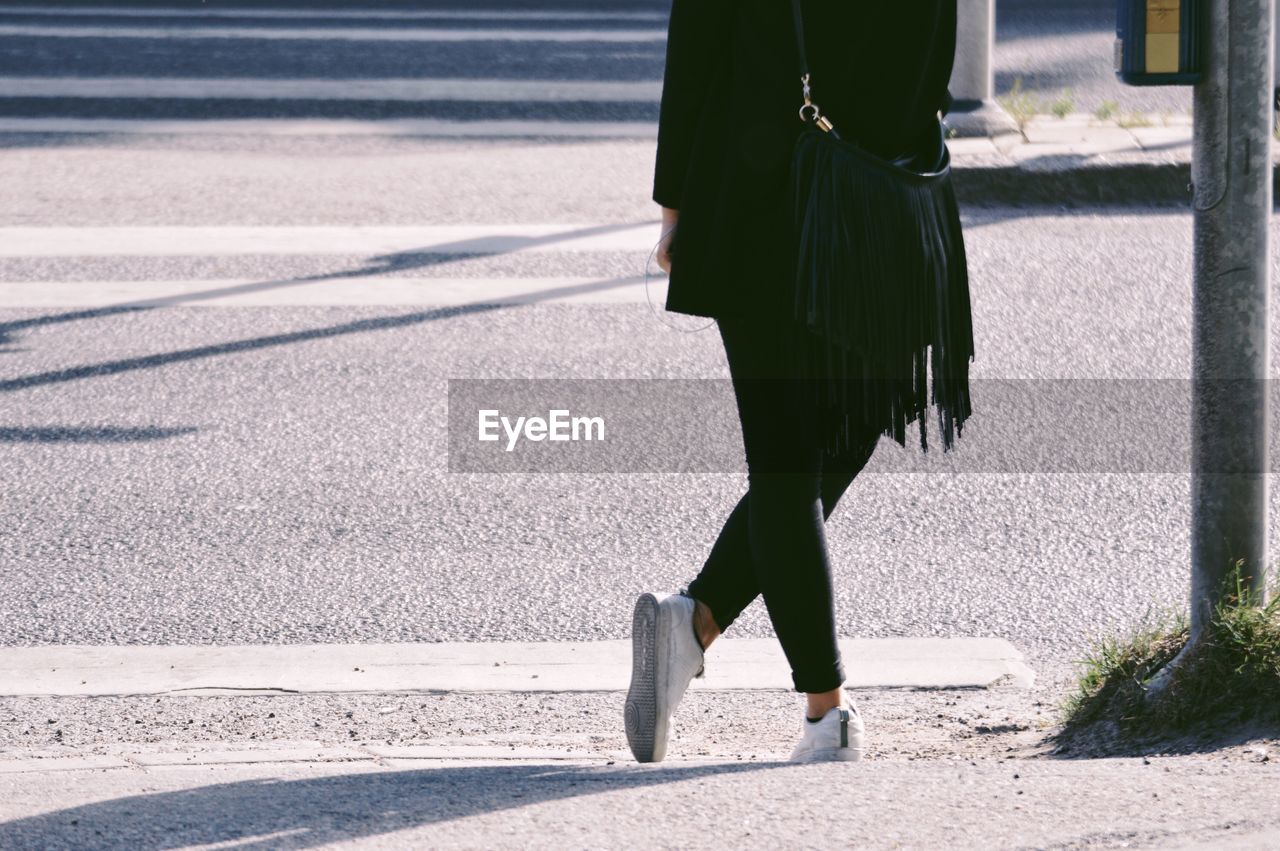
799, 31
798, 27
809, 112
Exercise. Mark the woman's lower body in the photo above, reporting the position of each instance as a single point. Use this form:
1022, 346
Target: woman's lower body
773, 544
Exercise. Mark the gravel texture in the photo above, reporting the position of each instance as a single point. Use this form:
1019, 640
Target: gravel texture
902, 725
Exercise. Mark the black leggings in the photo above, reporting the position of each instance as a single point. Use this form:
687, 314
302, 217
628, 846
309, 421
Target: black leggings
773, 542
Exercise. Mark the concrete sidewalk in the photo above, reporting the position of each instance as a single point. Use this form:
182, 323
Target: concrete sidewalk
963, 768
1078, 159
1136, 803
733, 664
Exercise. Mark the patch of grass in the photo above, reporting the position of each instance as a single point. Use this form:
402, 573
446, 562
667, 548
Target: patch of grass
1063, 104
1114, 670
1134, 119
1021, 105
1106, 110
1233, 677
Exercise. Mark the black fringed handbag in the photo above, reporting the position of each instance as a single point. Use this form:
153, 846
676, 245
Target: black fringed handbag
881, 279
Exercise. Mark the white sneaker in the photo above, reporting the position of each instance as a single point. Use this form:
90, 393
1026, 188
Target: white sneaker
665, 657
838, 735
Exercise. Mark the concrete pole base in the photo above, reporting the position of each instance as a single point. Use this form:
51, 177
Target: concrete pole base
1159, 686
979, 118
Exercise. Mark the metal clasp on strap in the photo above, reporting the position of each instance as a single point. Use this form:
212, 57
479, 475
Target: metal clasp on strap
815, 115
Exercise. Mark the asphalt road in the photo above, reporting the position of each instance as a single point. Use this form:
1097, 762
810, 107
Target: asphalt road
202, 474
222, 471
1056, 50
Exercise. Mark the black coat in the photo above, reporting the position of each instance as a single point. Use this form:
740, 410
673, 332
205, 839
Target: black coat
728, 121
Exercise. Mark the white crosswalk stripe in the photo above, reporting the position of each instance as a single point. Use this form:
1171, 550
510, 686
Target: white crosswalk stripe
337, 14
377, 246
341, 290
268, 89
428, 127
311, 240
328, 34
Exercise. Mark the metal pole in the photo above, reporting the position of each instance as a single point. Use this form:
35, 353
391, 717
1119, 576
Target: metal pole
975, 112
971, 82
1231, 172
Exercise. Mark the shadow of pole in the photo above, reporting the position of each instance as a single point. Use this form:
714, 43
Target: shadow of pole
90, 434
432, 255
381, 323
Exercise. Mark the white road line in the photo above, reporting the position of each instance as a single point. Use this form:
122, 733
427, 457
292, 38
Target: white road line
365, 241
385, 89
334, 14
424, 34
342, 291
740, 663
428, 127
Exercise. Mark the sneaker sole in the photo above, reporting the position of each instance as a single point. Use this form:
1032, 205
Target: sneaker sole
645, 724
832, 755
852, 753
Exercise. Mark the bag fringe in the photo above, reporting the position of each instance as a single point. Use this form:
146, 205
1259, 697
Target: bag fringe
881, 284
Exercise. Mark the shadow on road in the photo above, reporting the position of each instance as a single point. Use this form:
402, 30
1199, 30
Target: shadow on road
1105, 739
401, 261
305, 813
89, 434
97, 370
434, 255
